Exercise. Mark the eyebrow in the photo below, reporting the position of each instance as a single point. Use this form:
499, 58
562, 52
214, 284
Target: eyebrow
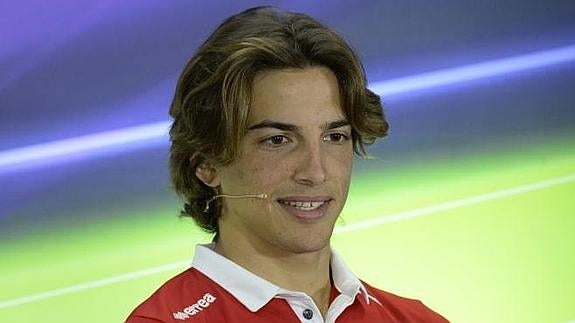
293, 128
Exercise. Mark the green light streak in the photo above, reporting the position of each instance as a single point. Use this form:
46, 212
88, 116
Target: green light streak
506, 260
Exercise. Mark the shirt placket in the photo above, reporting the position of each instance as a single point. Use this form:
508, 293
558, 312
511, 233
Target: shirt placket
339, 304
304, 308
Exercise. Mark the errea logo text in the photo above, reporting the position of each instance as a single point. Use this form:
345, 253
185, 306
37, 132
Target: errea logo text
195, 308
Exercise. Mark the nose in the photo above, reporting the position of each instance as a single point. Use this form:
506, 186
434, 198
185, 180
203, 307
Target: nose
310, 170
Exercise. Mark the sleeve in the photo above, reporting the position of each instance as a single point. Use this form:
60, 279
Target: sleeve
141, 319
432, 316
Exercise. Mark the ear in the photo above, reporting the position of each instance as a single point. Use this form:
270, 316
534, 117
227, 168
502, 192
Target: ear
208, 174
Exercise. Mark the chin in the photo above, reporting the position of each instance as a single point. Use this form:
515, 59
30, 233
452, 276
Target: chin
311, 244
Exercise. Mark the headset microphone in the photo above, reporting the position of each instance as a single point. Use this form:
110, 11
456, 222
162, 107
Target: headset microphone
241, 196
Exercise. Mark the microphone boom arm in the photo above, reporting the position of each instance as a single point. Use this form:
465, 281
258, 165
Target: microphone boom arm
241, 196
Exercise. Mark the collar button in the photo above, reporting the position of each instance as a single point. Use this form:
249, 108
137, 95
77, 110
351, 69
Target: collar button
307, 314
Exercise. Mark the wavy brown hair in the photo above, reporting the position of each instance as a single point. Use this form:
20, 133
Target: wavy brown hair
212, 99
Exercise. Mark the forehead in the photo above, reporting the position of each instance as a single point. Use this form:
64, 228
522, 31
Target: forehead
304, 95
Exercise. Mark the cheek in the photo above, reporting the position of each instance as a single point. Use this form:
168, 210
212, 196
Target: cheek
341, 160
264, 171
340, 169
344, 167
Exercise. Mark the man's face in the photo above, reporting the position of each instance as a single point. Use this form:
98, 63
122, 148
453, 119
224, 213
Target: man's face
298, 150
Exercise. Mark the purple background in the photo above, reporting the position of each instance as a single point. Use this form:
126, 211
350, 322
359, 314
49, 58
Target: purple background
69, 68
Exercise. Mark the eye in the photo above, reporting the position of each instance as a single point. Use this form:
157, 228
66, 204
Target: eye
276, 140
336, 137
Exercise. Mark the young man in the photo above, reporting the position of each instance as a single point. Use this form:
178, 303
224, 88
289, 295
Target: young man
267, 117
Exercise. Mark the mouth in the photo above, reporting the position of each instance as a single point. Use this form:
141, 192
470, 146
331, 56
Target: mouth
305, 207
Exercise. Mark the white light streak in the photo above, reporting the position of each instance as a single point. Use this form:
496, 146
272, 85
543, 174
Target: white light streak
362, 225
46, 152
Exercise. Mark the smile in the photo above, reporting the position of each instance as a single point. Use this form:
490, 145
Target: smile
304, 206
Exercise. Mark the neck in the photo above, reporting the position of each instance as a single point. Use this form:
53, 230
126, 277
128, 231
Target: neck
303, 272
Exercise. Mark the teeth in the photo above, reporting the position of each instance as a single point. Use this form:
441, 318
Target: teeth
305, 206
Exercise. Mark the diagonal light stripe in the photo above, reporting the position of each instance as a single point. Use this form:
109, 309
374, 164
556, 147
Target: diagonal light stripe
95, 284
475, 71
362, 225
401, 216
85, 143
106, 140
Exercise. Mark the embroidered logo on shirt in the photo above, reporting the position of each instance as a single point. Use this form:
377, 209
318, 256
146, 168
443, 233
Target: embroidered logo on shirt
195, 308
